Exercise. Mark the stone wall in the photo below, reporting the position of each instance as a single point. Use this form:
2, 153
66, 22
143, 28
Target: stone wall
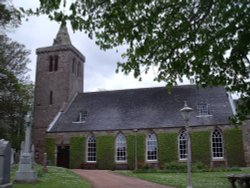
246, 140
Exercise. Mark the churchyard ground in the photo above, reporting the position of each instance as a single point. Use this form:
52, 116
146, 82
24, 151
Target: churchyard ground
199, 179
56, 177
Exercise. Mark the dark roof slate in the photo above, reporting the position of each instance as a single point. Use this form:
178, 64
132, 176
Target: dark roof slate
143, 108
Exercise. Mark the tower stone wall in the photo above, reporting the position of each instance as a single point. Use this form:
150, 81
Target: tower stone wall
59, 77
246, 141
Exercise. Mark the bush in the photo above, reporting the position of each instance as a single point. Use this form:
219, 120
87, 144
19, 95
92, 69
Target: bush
175, 167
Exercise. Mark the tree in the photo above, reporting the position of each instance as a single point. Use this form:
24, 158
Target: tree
206, 40
16, 92
10, 17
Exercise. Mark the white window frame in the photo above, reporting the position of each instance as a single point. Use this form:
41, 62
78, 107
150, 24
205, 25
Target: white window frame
182, 137
91, 140
151, 144
202, 109
120, 142
218, 151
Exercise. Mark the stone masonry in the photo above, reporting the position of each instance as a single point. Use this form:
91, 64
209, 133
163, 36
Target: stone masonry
246, 141
59, 76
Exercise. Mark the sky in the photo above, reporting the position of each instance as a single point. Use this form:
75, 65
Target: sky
100, 66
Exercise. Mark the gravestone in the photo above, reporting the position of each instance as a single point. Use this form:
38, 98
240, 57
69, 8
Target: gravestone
5, 159
26, 171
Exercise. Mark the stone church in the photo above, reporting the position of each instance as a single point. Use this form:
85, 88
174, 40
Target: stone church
127, 129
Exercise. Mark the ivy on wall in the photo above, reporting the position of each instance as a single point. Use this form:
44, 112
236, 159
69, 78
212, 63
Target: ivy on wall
234, 147
167, 147
105, 151
130, 151
201, 147
77, 154
140, 150
50, 146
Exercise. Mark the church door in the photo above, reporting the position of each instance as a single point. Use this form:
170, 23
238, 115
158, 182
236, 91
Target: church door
63, 156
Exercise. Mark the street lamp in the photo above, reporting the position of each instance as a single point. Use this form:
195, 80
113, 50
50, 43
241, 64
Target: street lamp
186, 113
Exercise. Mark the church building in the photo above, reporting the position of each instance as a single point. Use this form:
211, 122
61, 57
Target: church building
127, 129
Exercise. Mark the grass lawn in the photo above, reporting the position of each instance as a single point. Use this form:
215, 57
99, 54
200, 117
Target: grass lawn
199, 179
55, 178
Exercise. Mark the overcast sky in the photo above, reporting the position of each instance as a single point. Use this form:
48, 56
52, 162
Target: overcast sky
100, 65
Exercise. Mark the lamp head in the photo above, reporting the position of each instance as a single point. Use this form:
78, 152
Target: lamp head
186, 111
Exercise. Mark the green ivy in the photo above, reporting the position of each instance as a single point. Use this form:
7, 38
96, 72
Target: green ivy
167, 147
77, 154
131, 151
105, 151
234, 147
140, 150
50, 146
200, 147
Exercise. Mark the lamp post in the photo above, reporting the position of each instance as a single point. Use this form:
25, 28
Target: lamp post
186, 113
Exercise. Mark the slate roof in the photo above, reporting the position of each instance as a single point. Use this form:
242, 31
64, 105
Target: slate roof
143, 108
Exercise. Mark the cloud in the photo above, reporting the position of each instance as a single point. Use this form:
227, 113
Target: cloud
100, 65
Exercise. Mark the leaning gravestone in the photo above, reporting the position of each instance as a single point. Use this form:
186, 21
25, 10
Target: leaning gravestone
5, 157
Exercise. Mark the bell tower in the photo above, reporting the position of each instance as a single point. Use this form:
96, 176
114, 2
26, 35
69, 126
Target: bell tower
59, 77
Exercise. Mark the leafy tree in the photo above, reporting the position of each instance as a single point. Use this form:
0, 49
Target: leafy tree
207, 40
16, 92
10, 17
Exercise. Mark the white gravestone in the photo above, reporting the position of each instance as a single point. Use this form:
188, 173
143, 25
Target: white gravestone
26, 171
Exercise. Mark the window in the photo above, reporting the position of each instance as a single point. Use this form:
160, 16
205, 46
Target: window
73, 65
56, 63
182, 145
50, 63
217, 145
91, 149
202, 109
53, 63
51, 97
151, 147
78, 69
120, 148
82, 116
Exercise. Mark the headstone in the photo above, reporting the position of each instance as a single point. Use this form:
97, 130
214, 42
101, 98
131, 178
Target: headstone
26, 171
45, 167
5, 158
12, 160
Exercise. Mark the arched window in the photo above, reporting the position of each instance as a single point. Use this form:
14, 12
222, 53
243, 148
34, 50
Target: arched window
91, 149
151, 147
182, 145
217, 145
120, 148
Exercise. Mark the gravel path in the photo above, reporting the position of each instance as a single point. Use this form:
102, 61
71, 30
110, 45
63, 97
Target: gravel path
107, 179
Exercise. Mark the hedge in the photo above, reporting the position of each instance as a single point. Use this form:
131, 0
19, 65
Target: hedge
234, 147
167, 147
50, 146
77, 154
201, 147
141, 150
130, 151
105, 152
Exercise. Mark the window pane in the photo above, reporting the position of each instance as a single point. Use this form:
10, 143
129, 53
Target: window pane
217, 144
91, 150
151, 147
120, 143
182, 139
